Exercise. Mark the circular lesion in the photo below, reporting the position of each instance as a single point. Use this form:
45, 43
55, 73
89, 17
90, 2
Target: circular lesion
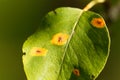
38, 51
76, 72
98, 22
60, 39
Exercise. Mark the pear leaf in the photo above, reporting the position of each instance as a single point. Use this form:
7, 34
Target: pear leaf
70, 44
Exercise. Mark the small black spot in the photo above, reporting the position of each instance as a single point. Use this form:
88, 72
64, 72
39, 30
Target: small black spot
92, 76
24, 53
54, 12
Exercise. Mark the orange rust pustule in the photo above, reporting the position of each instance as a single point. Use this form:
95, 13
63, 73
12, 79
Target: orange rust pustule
76, 72
36, 51
98, 22
59, 39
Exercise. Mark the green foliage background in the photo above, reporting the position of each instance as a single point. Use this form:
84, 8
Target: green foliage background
20, 18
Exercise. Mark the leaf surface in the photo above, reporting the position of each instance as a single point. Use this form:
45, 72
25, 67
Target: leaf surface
70, 44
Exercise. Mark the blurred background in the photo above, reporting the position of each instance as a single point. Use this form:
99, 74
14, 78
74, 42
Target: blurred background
20, 18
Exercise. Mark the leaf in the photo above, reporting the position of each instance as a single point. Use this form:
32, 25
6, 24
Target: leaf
71, 44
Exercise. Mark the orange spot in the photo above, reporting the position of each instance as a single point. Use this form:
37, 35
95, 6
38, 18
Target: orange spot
76, 72
59, 39
36, 51
98, 22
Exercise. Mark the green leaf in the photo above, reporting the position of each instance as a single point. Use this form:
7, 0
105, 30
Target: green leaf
71, 44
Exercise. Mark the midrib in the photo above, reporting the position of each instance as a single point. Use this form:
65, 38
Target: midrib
72, 32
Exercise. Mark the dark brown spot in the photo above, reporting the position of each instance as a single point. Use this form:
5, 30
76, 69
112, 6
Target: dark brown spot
76, 72
60, 39
38, 51
99, 22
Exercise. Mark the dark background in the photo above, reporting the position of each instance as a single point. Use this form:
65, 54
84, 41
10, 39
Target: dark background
20, 18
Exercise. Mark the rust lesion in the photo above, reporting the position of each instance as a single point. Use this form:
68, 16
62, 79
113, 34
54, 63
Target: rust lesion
76, 72
98, 22
37, 51
60, 39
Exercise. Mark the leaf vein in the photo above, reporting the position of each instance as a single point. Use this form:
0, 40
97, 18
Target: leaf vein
67, 44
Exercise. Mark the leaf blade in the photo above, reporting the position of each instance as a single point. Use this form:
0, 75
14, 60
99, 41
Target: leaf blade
59, 58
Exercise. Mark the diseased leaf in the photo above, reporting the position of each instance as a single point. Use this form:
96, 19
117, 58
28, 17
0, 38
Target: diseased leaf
71, 44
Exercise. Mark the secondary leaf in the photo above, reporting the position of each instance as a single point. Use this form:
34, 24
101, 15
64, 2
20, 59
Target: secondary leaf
71, 44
